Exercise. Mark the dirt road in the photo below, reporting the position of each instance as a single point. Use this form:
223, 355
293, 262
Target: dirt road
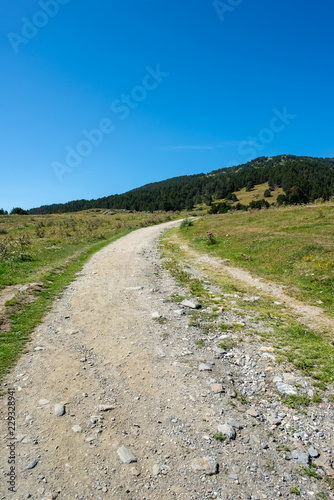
125, 379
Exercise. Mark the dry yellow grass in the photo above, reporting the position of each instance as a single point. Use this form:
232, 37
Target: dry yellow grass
245, 197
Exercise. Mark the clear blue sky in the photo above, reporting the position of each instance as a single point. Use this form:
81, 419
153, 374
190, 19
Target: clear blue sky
204, 85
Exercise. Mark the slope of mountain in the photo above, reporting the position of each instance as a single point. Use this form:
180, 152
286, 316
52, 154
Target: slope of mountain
302, 178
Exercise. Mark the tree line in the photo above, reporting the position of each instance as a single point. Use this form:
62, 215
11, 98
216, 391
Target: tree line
303, 180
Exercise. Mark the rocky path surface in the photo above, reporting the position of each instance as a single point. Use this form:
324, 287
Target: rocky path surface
115, 400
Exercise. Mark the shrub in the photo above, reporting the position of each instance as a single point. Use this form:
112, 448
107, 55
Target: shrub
186, 223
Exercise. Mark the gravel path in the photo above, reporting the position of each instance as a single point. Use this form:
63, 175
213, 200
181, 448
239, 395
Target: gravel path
115, 401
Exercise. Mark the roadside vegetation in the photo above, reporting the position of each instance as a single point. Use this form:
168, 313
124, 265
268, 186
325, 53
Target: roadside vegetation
293, 246
40, 255
278, 245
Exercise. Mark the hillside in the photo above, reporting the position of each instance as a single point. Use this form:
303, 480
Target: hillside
302, 179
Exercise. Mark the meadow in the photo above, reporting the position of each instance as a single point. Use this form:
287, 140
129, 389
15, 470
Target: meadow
293, 246
257, 193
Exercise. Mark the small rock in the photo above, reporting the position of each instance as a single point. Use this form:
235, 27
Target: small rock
231, 393
252, 412
134, 471
285, 388
324, 462
77, 428
43, 402
234, 423
301, 457
252, 298
156, 469
156, 315
234, 476
273, 420
39, 349
191, 304
32, 464
217, 388
59, 410
20, 437
161, 353
313, 452
105, 407
49, 495
134, 288
206, 465
289, 378
205, 367
219, 352
255, 438
125, 455
26, 440
228, 431
267, 349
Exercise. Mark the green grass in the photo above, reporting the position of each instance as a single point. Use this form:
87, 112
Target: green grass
308, 471
200, 343
293, 246
161, 320
176, 297
219, 436
49, 250
282, 447
34, 245
295, 401
227, 345
232, 326
330, 481
309, 351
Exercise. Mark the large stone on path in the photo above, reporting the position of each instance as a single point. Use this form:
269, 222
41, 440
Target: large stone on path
125, 455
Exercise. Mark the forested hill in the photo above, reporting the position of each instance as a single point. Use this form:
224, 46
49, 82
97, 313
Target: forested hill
303, 179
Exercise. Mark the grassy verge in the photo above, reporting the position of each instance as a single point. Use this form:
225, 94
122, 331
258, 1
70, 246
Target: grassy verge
293, 246
295, 345
46, 252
